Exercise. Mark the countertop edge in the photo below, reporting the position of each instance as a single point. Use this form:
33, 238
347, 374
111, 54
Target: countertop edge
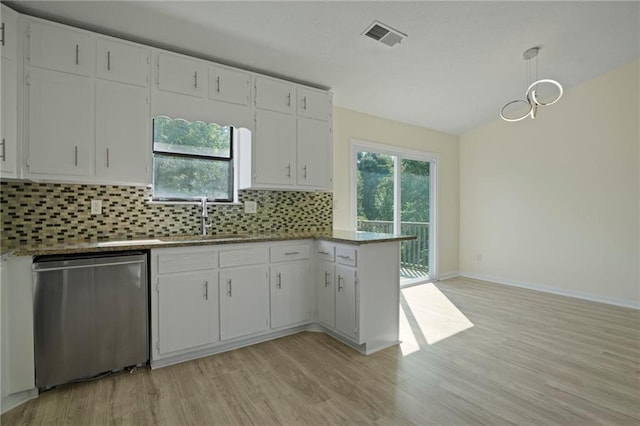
130, 245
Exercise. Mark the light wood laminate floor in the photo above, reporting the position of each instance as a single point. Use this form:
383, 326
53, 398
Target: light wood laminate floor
473, 353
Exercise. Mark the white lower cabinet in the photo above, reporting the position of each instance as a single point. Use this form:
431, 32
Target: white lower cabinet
325, 292
244, 301
346, 280
358, 291
184, 300
290, 294
213, 298
188, 303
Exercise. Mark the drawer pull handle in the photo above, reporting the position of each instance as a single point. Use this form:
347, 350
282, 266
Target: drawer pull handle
108, 165
291, 253
340, 283
195, 77
2, 29
326, 278
77, 54
4, 150
289, 100
75, 160
206, 290
230, 289
344, 257
108, 60
289, 170
304, 103
218, 84
279, 280
326, 253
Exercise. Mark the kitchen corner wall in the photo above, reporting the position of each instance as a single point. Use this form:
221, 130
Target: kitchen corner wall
51, 213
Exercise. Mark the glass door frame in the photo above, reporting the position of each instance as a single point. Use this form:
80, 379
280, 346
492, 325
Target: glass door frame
400, 154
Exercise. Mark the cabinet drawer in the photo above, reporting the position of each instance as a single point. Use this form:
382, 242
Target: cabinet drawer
325, 251
245, 256
289, 252
346, 255
186, 260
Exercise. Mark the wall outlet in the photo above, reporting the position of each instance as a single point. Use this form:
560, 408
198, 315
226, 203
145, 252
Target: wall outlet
96, 207
250, 207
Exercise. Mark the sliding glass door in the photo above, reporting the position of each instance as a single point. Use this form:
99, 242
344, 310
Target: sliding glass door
393, 193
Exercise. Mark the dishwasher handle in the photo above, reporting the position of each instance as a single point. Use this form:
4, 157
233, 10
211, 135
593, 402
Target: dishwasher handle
37, 268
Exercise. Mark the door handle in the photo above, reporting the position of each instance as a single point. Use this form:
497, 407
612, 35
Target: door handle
108, 60
230, 288
339, 281
279, 280
77, 54
326, 279
195, 77
206, 290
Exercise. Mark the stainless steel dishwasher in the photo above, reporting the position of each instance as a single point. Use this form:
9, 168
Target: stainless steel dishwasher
91, 315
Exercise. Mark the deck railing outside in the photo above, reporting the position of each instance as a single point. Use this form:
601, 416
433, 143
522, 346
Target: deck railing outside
414, 254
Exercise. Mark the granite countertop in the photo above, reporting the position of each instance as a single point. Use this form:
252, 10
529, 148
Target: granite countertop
44, 248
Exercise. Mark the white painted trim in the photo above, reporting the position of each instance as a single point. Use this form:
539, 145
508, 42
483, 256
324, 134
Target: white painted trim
447, 275
554, 290
18, 398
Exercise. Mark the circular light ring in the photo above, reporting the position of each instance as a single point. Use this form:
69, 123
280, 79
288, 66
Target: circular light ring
528, 104
531, 94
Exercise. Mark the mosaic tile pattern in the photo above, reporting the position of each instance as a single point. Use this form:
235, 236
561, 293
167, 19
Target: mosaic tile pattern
57, 213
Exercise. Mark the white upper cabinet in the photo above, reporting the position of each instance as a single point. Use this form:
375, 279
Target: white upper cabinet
9, 90
275, 95
60, 123
314, 104
123, 62
229, 85
182, 75
314, 153
9, 33
60, 48
275, 149
122, 132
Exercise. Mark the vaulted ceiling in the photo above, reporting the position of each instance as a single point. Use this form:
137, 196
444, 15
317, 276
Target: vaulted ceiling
459, 64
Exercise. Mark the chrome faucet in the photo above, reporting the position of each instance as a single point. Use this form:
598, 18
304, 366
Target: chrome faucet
203, 216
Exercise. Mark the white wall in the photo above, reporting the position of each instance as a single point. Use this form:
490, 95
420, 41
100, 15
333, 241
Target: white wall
348, 124
554, 203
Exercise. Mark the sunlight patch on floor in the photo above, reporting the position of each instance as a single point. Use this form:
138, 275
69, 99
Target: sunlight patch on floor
427, 317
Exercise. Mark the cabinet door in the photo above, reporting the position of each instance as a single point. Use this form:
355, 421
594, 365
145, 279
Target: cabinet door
275, 148
122, 62
59, 48
275, 95
229, 85
187, 310
9, 118
313, 104
290, 294
244, 301
314, 153
122, 125
325, 287
346, 301
59, 124
182, 75
9, 44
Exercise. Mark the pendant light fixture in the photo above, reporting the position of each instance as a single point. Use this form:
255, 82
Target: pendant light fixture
520, 109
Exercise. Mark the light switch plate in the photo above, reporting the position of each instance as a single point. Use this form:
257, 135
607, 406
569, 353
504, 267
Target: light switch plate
96, 207
250, 207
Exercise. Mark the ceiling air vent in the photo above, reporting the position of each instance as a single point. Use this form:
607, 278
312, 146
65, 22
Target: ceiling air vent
384, 34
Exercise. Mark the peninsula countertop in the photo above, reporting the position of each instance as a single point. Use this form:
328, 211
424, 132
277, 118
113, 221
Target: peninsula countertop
141, 243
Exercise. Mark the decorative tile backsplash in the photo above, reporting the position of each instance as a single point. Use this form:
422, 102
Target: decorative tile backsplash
47, 212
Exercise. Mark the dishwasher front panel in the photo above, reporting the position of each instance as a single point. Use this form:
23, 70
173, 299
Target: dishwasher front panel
90, 317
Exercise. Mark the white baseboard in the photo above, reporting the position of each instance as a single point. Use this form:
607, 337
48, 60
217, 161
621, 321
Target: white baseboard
554, 290
15, 399
447, 275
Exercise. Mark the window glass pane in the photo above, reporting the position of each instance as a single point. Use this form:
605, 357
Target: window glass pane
375, 192
193, 138
180, 177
